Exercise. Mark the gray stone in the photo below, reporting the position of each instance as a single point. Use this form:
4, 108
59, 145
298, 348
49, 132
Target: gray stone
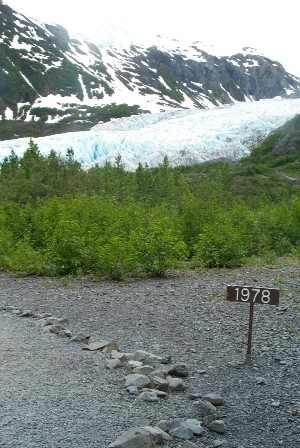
218, 426
56, 329
113, 363
111, 346
134, 364
176, 384
178, 370
157, 434
132, 390
160, 373
205, 408
208, 419
159, 393
194, 425
260, 380
195, 396
26, 313
164, 425
143, 370
181, 432
115, 354
79, 338
218, 442
66, 333
133, 438
275, 404
214, 399
165, 359
96, 345
159, 383
174, 423
137, 380
55, 321
188, 444
146, 358
18, 312
41, 315
10, 308
148, 396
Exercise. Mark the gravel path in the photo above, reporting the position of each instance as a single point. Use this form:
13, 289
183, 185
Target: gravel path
54, 394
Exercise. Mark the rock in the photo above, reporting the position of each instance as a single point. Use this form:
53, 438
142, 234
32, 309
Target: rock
132, 390
157, 434
175, 384
115, 354
66, 333
194, 425
214, 399
188, 444
160, 373
275, 404
205, 408
218, 426
164, 425
178, 370
112, 346
113, 363
148, 396
143, 370
41, 315
57, 329
79, 338
134, 364
55, 321
165, 359
159, 393
10, 308
181, 432
133, 438
98, 345
18, 312
146, 358
26, 313
195, 396
137, 380
217, 442
260, 380
208, 419
159, 383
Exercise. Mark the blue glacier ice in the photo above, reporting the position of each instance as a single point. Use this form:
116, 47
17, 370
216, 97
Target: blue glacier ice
184, 136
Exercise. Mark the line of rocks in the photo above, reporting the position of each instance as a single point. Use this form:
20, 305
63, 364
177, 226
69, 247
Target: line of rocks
151, 377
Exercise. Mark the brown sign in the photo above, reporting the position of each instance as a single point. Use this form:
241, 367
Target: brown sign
252, 294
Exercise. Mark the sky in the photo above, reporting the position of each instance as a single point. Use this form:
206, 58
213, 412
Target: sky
270, 27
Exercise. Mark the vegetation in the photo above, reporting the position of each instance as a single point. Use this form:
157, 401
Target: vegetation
58, 219
77, 119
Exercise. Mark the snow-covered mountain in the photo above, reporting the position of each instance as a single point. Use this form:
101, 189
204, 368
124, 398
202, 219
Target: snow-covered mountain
47, 75
184, 136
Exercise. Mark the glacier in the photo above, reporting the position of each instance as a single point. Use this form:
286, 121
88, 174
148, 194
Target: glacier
185, 136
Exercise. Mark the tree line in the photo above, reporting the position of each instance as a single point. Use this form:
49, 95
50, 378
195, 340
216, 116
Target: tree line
58, 219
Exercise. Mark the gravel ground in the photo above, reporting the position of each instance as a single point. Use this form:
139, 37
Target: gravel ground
54, 394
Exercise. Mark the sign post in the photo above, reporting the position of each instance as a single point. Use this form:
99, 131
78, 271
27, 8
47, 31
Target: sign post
252, 295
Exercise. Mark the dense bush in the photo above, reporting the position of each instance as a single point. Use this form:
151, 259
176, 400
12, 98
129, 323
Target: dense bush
57, 219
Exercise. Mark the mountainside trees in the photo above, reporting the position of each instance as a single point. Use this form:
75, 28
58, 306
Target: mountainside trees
58, 219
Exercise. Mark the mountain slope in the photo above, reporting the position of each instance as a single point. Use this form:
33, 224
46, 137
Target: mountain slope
46, 75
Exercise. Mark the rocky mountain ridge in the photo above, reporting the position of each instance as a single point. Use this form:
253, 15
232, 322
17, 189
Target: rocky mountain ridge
46, 75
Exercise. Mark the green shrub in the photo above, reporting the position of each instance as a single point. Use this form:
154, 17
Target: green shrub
158, 247
24, 259
219, 245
